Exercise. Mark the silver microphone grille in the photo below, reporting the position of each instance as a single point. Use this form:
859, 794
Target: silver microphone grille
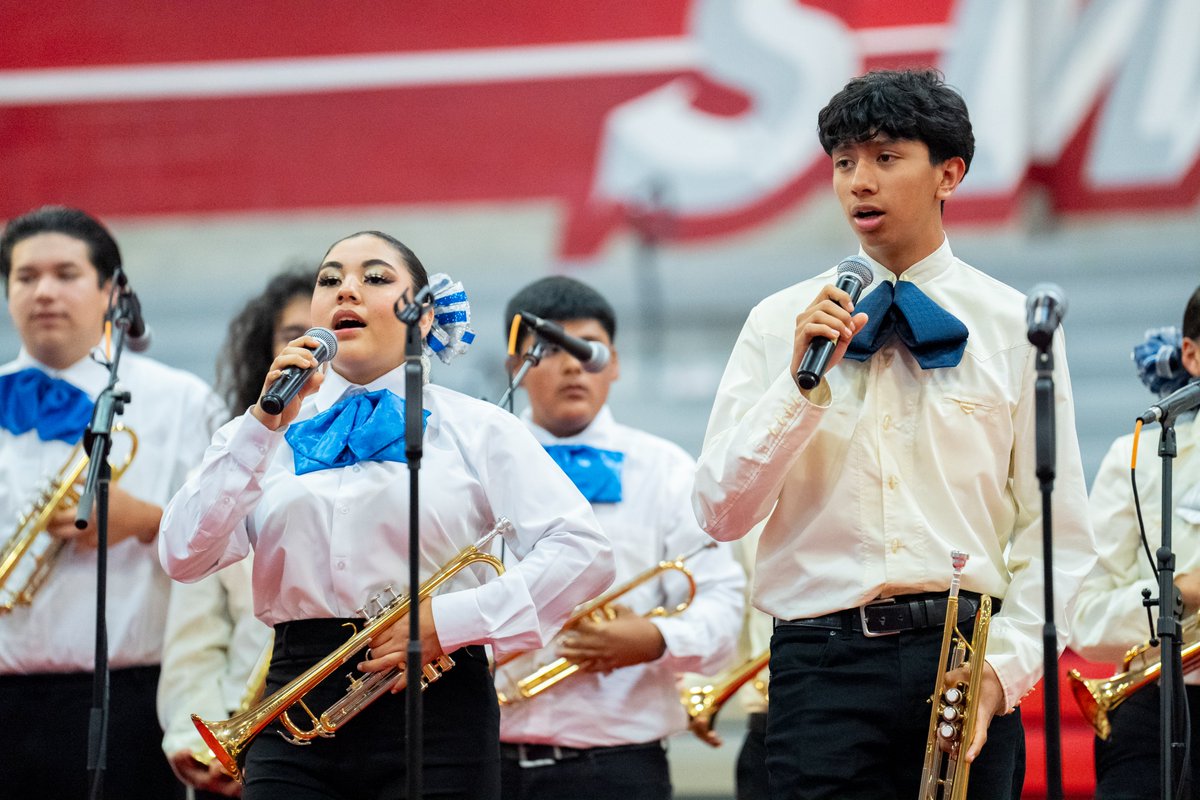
857, 266
328, 348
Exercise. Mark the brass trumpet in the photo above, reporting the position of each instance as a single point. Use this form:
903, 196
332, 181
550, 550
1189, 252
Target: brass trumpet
1096, 697
229, 738
543, 677
702, 703
952, 721
30, 553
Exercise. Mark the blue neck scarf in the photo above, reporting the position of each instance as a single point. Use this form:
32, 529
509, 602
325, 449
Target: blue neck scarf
32, 400
362, 427
934, 336
595, 472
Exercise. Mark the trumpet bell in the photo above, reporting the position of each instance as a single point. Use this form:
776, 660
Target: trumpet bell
228, 739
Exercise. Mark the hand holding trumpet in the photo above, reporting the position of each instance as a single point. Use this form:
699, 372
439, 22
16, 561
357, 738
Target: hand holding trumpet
388, 647
621, 638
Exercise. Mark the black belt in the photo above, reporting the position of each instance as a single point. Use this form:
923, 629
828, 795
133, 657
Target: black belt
544, 755
894, 614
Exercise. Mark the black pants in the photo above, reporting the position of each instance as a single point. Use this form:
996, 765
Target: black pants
630, 772
366, 758
44, 753
1127, 765
751, 774
848, 718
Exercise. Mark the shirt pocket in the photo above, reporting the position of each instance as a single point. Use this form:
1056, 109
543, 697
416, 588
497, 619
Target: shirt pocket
979, 431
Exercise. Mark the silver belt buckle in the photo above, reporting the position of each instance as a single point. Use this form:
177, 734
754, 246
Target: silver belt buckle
862, 615
525, 762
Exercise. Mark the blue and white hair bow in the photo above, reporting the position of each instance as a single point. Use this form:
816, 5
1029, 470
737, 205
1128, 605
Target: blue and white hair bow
1159, 360
451, 334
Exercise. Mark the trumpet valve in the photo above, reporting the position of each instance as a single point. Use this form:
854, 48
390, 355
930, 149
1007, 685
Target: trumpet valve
949, 727
435, 669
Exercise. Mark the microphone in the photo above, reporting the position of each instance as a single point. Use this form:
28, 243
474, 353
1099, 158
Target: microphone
138, 335
853, 275
1177, 402
593, 356
1044, 310
285, 387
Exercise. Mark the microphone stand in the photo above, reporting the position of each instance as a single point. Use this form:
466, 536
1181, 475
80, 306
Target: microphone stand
1169, 627
532, 359
414, 430
1046, 471
97, 441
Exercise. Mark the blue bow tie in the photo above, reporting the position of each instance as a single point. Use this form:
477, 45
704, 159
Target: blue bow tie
364, 427
595, 472
934, 336
32, 400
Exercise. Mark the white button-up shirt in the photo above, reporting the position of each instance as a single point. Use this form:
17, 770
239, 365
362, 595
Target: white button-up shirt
1109, 615
173, 414
652, 523
868, 483
327, 540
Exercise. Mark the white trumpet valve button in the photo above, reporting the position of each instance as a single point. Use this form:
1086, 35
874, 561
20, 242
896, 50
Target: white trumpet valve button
953, 696
950, 714
947, 731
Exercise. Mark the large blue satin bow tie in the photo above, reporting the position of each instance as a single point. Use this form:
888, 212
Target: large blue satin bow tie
363, 427
595, 472
32, 400
934, 336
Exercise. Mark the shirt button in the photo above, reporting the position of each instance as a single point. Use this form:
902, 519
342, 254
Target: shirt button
227, 500
887, 422
343, 510
341, 565
896, 545
356, 468
893, 482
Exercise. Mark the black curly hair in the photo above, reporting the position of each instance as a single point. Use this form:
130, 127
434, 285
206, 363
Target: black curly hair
901, 104
249, 345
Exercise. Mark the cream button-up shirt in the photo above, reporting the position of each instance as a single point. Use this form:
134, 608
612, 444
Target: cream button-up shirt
869, 482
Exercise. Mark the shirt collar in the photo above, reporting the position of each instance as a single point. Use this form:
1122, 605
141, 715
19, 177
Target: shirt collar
924, 271
86, 374
335, 387
598, 433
